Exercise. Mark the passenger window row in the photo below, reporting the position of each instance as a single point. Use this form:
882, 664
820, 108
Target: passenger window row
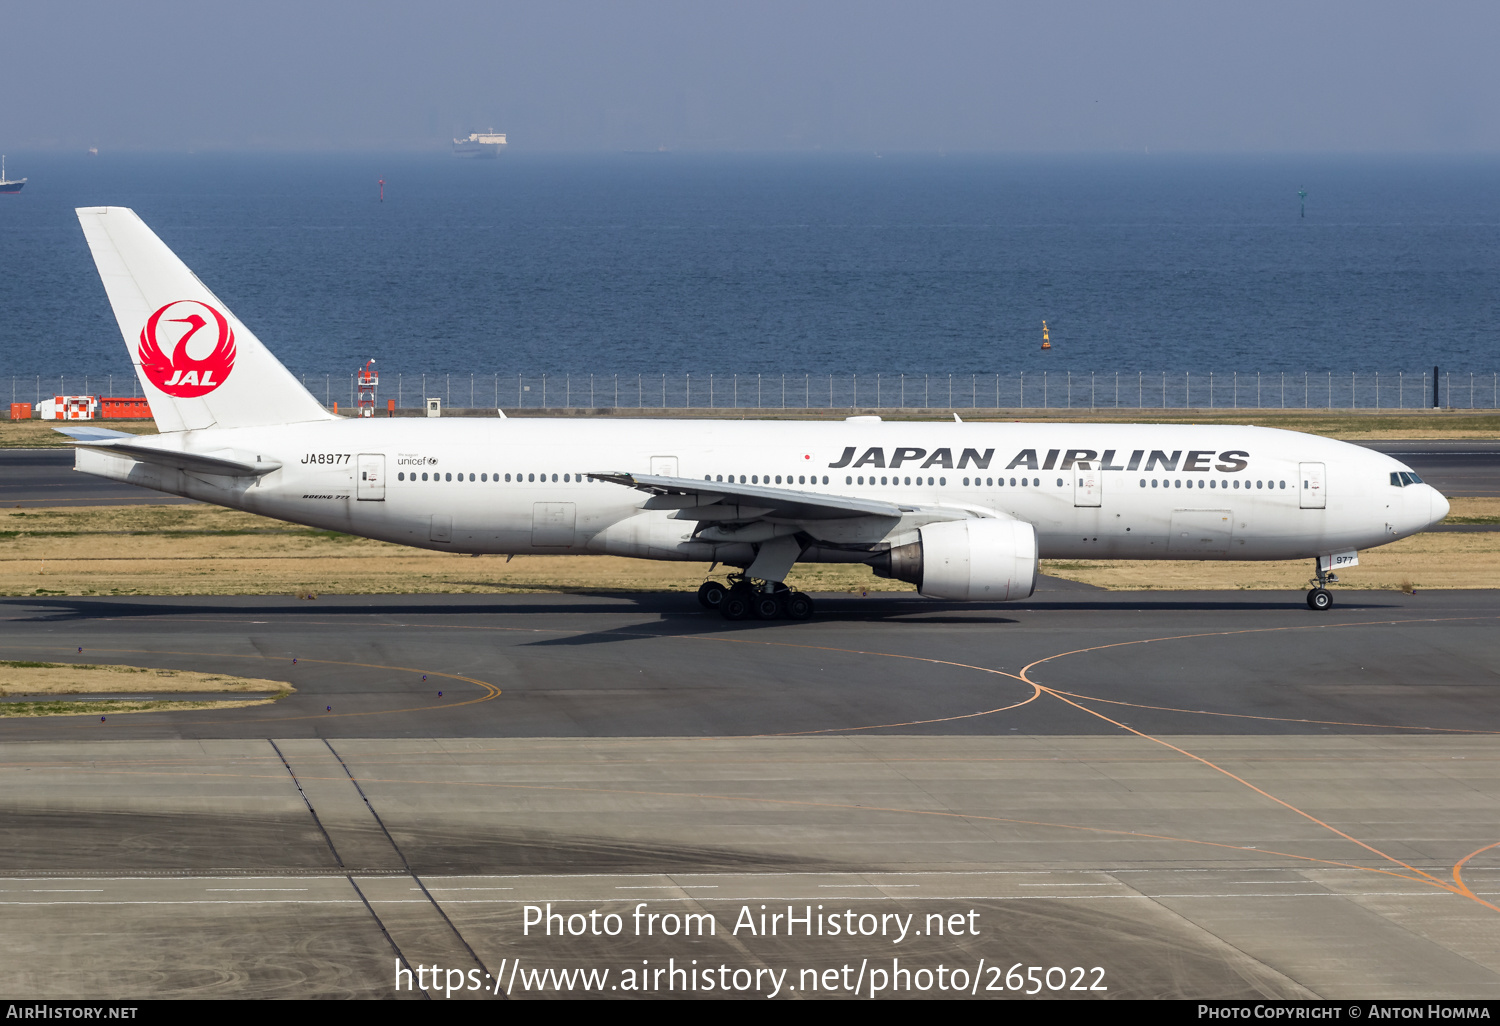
1399, 479
766, 478
520, 478
894, 480
1210, 483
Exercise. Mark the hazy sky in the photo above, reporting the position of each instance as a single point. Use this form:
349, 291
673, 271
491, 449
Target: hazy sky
1338, 76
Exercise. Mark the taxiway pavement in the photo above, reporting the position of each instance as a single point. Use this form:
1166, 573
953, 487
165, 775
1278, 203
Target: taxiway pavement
1200, 794
659, 665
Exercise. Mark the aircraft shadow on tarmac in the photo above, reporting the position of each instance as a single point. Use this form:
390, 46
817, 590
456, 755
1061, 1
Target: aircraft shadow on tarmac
675, 609
677, 623
711, 623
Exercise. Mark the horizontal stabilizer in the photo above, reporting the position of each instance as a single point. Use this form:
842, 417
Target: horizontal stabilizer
223, 463
92, 434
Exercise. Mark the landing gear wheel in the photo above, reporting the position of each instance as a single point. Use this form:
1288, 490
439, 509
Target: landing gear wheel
711, 594
799, 606
767, 606
1320, 598
735, 604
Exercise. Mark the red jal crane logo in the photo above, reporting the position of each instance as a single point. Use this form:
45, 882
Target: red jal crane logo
179, 374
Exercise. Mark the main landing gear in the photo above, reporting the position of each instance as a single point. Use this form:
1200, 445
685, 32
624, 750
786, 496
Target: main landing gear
1320, 598
742, 599
711, 594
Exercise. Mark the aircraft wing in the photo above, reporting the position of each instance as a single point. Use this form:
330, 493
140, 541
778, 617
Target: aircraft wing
753, 502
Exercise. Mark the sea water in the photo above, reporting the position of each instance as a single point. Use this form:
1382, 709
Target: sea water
670, 264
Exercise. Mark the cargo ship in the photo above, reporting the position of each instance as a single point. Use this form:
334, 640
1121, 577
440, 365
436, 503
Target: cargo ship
6, 185
480, 144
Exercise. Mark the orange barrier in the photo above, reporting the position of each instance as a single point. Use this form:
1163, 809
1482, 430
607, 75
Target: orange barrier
118, 408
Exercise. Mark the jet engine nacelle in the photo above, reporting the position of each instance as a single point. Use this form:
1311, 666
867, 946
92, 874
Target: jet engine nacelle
967, 560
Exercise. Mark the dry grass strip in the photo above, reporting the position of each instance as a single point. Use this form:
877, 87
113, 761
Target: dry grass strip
205, 550
41, 680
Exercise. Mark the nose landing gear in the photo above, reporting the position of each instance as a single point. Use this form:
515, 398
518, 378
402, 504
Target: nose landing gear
742, 598
1320, 598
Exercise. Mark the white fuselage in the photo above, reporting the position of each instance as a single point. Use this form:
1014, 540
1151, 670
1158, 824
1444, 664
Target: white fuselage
1089, 490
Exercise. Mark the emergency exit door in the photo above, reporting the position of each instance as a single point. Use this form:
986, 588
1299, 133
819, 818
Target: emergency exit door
371, 483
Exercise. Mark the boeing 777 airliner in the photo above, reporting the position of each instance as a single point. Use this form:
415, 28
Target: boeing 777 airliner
964, 511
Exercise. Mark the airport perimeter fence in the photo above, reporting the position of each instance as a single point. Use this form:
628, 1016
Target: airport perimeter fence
1047, 390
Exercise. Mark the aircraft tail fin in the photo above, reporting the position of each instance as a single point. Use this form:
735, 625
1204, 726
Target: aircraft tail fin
199, 366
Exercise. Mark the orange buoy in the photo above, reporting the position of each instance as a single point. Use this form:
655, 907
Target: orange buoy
1046, 344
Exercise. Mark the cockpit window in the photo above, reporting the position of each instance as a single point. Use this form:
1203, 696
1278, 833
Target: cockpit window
1412, 478
1396, 481
1402, 478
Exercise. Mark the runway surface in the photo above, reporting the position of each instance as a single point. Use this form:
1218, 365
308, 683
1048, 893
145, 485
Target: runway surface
45, 477
1199, 794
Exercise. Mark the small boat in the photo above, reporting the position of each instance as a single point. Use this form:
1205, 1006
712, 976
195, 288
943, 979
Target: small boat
6, 185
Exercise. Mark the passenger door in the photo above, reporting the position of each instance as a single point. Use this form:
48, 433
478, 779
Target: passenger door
371, 483
1312, 494
664, 466
1088, 487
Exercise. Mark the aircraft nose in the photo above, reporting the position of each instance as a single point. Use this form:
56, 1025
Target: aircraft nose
1439, 506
